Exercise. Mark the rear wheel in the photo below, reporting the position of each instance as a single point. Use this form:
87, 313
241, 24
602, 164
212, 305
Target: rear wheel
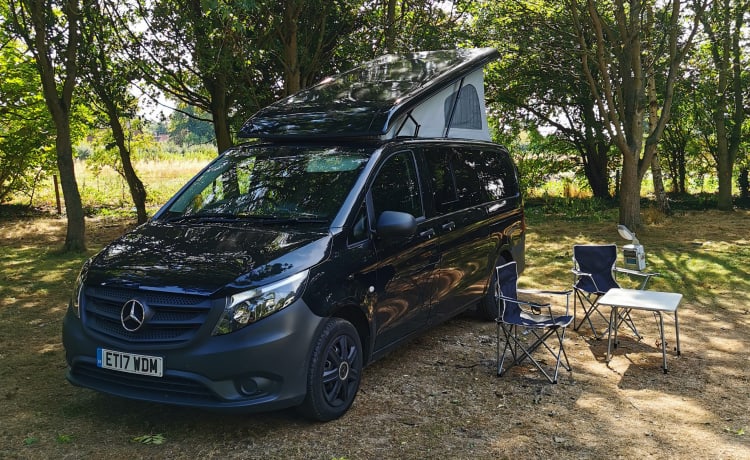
334, 372
487, 308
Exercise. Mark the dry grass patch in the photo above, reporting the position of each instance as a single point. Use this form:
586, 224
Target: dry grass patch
437, 397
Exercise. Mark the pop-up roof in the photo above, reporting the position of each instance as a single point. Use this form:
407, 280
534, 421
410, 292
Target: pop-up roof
423, 94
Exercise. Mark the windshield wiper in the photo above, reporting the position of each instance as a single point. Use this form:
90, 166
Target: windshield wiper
207, 216
255, 218
287, 218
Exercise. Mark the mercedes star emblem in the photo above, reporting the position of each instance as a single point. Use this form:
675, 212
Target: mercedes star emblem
133, 315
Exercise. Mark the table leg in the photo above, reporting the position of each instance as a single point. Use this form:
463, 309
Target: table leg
663, 343
677, 332
612, 320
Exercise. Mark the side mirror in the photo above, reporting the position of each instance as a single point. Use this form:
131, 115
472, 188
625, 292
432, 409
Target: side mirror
395, 225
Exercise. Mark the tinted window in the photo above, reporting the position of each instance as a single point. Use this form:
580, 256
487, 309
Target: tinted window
469, 187
272, 182
497, 174
397, 188
455, 183
442, 179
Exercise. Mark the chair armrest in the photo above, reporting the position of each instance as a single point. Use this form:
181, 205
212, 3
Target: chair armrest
579, 272
646, 276
536, 305
629, 271
542, 291
547, 292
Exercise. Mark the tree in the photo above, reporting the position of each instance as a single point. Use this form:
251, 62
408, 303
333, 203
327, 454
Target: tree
303, 36
616, 71
677, 141
51, 31
189, 130
538, 81
26, 142
104, 68
203, 54
723, 24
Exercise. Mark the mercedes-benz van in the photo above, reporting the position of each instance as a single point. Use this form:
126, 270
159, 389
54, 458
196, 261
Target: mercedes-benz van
371, 207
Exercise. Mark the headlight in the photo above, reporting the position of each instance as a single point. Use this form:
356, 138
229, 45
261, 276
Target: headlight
75, 300
247, 307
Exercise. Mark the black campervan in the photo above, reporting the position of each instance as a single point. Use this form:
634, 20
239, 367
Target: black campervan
368, 208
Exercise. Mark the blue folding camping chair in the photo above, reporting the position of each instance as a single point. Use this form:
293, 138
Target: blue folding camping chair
527, 326
594, 271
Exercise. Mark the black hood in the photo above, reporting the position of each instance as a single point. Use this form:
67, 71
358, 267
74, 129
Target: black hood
203, 258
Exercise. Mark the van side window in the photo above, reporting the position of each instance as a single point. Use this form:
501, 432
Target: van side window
359, 228
443, 180
498, 174
470, 190
455, 183
397, 187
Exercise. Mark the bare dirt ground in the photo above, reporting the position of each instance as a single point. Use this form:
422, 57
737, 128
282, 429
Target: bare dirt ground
437, 397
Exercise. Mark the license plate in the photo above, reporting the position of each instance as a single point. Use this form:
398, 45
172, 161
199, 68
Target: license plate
129, 362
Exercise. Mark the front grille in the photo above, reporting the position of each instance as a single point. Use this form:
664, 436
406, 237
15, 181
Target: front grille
176, 317
168, 387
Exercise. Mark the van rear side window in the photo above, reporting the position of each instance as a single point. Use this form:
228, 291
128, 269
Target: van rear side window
464, 178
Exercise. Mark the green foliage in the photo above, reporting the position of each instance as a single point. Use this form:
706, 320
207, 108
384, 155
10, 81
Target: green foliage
26, 132
104, 152
571, 209
188, 126
538, 83
539, 158
64, 438
735, 431
30, 441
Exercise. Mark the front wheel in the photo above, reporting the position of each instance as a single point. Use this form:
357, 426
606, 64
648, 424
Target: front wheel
334, 372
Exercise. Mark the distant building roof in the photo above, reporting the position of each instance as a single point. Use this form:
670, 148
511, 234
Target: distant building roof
379, 98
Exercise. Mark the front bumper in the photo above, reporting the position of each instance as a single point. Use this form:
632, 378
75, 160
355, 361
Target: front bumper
260, 367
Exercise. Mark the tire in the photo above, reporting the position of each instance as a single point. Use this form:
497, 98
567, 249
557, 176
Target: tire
487, 308
334, 372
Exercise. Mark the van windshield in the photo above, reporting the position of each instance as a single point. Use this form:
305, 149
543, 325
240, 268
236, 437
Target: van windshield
271, 183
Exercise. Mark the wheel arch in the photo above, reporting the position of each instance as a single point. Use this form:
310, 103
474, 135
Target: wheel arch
354, 315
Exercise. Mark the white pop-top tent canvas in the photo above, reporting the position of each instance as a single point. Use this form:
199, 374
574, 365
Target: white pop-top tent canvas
424, 94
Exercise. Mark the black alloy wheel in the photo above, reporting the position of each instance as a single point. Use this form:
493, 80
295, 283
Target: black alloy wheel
334, 373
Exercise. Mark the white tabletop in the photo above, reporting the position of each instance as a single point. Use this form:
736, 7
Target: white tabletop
641, 300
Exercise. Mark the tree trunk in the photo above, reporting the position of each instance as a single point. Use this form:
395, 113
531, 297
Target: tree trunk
744, 183
618, 85
662, 201
59, 105
390, 27
219, 111
75, 237
724, 170
630, 192
595, 167
682, 172
724, 25
135, 185
290, 25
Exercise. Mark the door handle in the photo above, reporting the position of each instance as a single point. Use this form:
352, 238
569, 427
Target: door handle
429, 233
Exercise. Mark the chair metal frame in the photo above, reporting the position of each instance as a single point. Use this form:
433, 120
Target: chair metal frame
514, 323
589, 286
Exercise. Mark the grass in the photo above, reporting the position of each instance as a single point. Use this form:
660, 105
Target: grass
435, 397
105, 192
